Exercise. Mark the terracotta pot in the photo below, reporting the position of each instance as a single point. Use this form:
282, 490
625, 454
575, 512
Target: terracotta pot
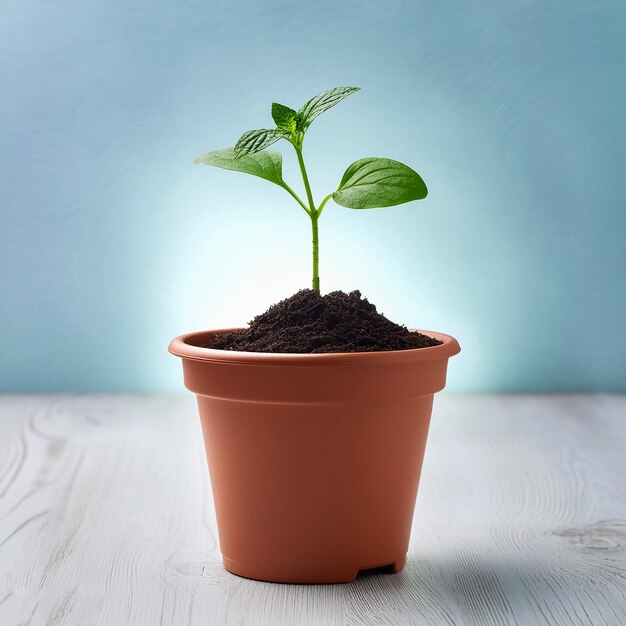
314, 459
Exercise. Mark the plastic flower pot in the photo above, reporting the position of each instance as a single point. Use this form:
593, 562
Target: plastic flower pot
314, 459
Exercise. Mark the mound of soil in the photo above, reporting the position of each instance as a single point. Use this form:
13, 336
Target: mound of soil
308, 322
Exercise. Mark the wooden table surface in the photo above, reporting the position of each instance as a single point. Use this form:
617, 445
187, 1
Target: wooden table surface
106, 517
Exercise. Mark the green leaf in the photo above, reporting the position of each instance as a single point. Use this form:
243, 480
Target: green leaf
284, 117
372, 183
268, 165
257, 140
322, 102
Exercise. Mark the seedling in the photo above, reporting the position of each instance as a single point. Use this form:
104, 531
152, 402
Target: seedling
368, 183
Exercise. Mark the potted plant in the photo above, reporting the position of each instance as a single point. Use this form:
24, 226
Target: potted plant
315, 417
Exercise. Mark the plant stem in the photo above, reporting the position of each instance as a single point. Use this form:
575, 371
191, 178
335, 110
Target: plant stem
320, 208
305, 178
316, 254
313, 214
296, 197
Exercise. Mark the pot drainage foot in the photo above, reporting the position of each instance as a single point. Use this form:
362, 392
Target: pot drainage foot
389, 568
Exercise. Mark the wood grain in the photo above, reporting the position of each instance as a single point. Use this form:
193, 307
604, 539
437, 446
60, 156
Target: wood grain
106, 518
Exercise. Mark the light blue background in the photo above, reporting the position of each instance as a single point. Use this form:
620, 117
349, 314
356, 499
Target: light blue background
112, 242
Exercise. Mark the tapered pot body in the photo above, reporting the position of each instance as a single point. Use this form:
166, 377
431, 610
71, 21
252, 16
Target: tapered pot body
314, 460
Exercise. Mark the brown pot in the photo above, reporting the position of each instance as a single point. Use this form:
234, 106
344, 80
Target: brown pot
314, 459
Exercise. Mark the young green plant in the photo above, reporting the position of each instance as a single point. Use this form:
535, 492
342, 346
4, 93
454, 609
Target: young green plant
368, 183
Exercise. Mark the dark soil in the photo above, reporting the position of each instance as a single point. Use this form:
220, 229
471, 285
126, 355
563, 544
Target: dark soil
308, 322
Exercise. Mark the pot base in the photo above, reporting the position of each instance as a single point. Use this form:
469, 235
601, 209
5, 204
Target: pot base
327, 577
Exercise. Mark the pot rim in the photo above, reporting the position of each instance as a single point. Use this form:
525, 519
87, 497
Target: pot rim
189, 346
